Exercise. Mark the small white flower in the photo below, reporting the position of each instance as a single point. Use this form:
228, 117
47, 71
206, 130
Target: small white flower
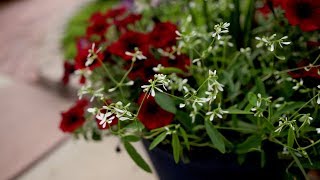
92, 55
136, 55
318, 130
92, 110
221, 28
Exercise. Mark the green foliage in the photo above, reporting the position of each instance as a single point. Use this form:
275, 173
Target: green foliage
136, 157
215, 136
165, 102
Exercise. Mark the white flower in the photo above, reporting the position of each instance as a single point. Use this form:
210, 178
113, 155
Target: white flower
318, 130
221, 28
92, 55
181, 105
136, 55
159, 80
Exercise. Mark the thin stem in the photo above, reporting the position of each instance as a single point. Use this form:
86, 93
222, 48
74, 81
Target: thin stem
107, 71
303, 106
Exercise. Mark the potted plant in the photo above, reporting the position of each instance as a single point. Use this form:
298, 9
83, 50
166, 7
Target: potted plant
213, 88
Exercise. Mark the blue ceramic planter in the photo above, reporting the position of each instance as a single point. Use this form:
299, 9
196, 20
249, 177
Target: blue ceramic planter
212, 165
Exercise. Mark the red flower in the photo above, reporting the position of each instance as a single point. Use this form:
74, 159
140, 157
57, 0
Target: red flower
268, 5
127, 42
143, 70
304, 13
181, 61
116, 12
151, 115
130, 19
74, 117
97, 25
310, 76
313, 44
163, 35
68, 70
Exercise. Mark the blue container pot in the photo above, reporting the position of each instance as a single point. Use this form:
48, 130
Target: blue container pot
211, 165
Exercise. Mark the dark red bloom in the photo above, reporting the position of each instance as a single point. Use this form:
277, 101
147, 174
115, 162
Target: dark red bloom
143, 70
74, 117
310, 76
68, 70
268, 6
116, 12
127, 42
313, 44
181, 61
130, 19
97, 25
163, 35
151, 115
304, 13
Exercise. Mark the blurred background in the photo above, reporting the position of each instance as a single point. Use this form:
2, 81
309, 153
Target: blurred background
32, 98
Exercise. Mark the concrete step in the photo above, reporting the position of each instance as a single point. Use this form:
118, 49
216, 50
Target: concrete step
29, 125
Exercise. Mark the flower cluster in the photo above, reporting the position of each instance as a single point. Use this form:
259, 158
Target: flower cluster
209, 76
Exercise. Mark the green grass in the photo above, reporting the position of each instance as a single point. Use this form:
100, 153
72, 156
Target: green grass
77, 25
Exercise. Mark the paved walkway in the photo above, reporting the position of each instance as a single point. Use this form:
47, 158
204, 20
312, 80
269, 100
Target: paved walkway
32, 147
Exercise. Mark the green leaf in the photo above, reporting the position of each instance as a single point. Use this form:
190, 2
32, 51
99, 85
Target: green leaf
184, 119
215, 136
252, 143
176, 147
134, 126
170, 70
165, 102
291, 137
158, 140
131, 138
252, 98
136, 157
297, 161
287, 109
260, 87
185, 137
237, 111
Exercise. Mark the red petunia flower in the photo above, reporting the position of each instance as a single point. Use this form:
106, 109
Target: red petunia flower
151, 115
313, 44
268, 6
163, 35
310, 76
68, 70
130, 19
116, 12
97, 25
128, 42
304, 13
143, 70
181, 61
74, 117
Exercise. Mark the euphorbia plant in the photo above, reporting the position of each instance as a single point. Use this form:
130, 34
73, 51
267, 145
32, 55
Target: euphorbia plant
205, 79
